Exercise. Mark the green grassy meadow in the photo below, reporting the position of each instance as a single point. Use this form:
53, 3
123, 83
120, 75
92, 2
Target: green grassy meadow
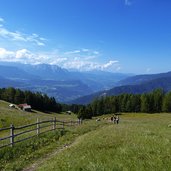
24, 153
138, 142
17, 117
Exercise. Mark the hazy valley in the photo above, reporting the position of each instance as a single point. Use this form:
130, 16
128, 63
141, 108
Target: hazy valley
60, 83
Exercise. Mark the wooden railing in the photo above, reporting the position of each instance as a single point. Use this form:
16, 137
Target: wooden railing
22, 133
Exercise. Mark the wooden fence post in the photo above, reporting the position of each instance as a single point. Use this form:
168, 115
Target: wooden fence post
63, 125
80, 121
38, 127
54, 123
12, 135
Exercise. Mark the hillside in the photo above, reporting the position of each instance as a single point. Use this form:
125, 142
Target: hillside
127, 146
145, 87
17, 117
55, 81
12, 73
139, 79
101, 144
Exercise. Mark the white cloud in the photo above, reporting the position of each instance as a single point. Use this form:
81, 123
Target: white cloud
81, 63
109, 64
58, 61
1, 20
11, 35
118, 68
128, 2
96, 52
18, 36
85, 50
72, 52
24, 54
148, 70
87, 65
6, 55
90, 57
36, 39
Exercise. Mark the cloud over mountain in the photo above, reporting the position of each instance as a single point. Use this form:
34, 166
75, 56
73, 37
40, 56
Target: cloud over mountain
16, 46
83, 62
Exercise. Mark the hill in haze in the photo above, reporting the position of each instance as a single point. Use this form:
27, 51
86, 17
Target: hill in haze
135, 85
55, 81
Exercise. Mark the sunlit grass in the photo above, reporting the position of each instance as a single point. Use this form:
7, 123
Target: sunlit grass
139, 142
17, 117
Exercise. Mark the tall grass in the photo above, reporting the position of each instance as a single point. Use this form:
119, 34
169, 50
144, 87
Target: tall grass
23, 153
30, 151
139, 142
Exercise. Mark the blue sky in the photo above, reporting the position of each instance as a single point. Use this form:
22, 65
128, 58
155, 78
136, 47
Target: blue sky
128, 36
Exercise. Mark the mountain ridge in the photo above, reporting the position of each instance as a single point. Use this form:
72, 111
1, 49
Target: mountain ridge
159, 81
55, 81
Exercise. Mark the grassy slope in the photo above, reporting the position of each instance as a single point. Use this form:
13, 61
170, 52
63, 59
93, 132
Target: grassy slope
24, 153
139, 142
14, 116
37, 150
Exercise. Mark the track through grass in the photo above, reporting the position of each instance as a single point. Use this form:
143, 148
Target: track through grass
138, 143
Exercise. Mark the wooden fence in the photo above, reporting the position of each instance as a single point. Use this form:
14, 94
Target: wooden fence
32, 130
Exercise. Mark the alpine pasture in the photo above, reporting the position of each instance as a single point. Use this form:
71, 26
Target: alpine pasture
139, 142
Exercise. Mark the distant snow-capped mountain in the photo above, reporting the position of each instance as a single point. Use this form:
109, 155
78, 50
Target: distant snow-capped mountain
64, 85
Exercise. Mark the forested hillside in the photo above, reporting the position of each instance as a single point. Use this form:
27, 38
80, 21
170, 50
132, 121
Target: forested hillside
154, 102
163, 83
37, 100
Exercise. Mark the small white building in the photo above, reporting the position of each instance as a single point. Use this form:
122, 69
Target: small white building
12, 105
68, 112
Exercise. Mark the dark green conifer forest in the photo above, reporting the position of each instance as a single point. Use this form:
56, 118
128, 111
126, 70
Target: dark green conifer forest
154, 102
37, 100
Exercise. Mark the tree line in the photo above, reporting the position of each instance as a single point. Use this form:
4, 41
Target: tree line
37, 100
154, 102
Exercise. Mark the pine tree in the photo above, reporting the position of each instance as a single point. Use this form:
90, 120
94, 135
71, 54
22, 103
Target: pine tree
167, 103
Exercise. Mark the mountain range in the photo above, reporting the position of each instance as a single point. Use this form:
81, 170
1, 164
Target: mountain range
136, 85
78, 87
55, 81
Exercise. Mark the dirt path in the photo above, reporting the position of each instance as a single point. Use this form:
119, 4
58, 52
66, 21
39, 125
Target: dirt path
37, 163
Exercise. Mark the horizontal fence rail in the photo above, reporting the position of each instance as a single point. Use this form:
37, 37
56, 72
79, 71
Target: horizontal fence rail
32, 130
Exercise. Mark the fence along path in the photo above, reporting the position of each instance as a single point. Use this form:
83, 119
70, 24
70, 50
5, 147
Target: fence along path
32, 130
